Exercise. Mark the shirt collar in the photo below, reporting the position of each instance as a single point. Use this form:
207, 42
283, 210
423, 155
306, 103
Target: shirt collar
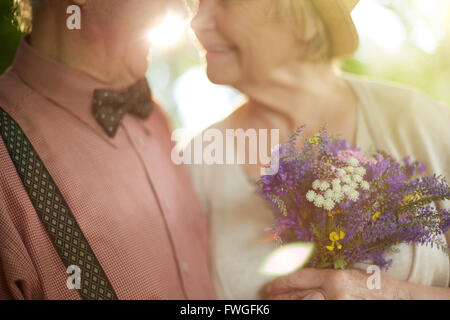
69, 88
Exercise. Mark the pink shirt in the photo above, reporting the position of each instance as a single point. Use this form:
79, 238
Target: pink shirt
136, 208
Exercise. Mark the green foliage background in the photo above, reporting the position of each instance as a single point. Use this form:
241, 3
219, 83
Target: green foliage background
9, 35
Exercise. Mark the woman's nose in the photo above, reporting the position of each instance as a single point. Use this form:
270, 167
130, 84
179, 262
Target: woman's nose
204, 18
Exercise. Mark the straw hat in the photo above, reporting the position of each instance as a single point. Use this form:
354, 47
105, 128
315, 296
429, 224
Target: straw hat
336, 16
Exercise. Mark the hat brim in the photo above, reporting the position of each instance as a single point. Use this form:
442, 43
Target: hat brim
336, 16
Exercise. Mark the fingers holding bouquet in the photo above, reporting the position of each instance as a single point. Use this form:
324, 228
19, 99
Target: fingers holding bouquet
327, 284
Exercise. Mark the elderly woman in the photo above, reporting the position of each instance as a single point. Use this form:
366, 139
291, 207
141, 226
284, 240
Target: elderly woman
118, 220
280, 54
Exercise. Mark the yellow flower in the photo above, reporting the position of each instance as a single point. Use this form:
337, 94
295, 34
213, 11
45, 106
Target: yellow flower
315, 139
331, 214
376, 215
412, 197
334, 238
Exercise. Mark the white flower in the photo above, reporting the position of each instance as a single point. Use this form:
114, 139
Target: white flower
341, 172
353, 185
360, 171
328, 204
353, 195
324, 186
346, 179
336, 182
346, 189
329, 194
353, 162
349, 169
337, 187
338, 196
318, 201
316, 184
365, 185
310, 195
357, 178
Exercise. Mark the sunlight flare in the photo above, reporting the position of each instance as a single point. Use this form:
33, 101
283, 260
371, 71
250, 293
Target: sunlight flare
287, 259
169, 32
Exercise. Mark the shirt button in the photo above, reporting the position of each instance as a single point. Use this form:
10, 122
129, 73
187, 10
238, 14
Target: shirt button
185, 266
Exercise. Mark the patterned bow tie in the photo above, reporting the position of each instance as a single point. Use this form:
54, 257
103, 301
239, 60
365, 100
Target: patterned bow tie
110, 106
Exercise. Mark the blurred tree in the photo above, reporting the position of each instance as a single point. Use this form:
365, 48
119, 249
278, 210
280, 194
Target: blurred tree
413, 64
9, 34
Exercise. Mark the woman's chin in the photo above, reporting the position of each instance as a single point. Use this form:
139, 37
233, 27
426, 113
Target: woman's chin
221, 76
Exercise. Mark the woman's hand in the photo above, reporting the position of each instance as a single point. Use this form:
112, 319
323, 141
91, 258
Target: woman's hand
317, 284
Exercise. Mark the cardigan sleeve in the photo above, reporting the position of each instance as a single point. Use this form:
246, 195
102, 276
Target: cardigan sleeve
435, 117
406, 122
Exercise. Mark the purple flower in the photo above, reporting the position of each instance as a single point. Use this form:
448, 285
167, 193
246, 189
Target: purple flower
398, 207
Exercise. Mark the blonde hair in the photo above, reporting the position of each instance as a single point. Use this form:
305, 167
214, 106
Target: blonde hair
23, 13
304, 16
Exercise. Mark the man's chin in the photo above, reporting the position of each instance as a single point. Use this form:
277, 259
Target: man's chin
138, 60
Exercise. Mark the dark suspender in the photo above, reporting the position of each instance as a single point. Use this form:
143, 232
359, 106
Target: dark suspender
62, 228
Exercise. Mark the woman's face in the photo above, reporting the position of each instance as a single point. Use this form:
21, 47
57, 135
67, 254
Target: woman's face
243, 40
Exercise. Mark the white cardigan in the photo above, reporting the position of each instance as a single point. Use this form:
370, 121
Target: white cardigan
399, 120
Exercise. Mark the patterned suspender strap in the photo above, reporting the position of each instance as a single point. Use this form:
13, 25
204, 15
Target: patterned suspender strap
65, 233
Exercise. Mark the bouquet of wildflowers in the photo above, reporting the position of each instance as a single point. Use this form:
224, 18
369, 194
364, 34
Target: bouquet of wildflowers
352, 206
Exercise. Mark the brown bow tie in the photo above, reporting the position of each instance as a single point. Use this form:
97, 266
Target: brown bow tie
110, 106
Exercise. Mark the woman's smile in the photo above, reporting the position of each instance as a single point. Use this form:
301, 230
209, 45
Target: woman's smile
218, 51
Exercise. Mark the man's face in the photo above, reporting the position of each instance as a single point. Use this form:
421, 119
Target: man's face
124, 25
131, 16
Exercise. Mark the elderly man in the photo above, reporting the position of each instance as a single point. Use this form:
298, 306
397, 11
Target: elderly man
91, 205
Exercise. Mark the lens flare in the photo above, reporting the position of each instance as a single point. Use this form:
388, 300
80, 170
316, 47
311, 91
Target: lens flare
169, 32
287, 259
